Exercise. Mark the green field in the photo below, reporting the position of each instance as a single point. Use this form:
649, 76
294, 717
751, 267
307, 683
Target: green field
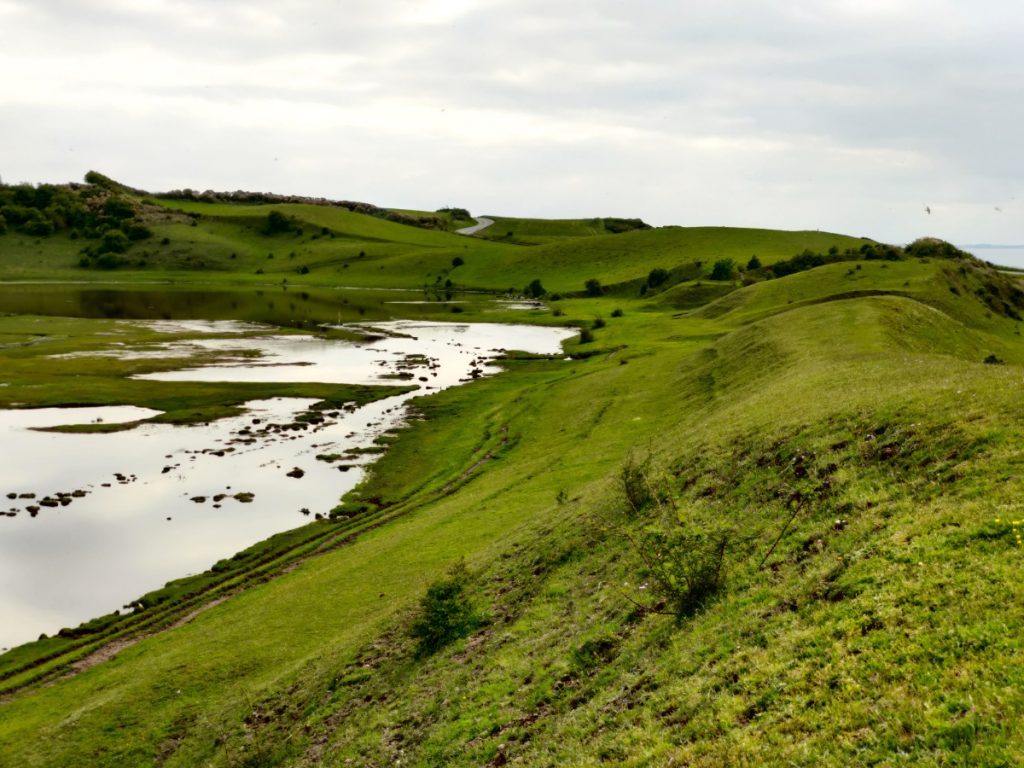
763, 524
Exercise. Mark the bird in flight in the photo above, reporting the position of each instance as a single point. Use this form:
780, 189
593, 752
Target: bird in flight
928, 210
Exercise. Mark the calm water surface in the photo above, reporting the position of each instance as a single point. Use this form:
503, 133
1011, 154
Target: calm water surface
137, 525
1011, 256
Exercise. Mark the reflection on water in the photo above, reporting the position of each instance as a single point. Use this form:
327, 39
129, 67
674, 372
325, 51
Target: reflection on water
123, 515
279, 305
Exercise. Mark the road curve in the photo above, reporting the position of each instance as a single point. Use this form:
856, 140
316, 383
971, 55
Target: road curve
482, 222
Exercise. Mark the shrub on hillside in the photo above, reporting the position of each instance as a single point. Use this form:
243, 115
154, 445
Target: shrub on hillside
459, 214
113, 241
799, 263
682, 557
534, 290
445, 613
277, 222
656, 277
617, 226
685, 562
138, 231
593, 287
723, 269
634, 482
118, 208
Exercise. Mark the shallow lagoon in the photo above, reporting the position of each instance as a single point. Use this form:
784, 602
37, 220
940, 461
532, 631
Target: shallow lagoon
133, 525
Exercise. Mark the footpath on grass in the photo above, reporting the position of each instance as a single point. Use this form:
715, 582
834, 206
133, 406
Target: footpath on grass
482, 223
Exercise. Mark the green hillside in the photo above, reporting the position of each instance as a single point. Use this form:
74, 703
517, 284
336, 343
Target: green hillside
762, 524
185, 238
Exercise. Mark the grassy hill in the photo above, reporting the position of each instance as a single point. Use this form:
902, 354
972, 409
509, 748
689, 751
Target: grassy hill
313, 242
761, 525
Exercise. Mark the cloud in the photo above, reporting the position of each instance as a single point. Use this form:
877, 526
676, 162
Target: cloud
834, 113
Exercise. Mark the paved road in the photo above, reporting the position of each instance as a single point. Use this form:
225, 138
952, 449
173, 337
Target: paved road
481, 223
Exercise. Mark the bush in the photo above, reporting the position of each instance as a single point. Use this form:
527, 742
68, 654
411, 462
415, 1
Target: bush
458, 214
617, 226
799, 263
656, 277
593, 287
278, 222
682, 558
138, 231
534, 289
38, 226
586, 336
457, 262
118, 208
114, 241
685, 563
723, 269
634, 481
599, 323
616, 313
754, 263
445, 614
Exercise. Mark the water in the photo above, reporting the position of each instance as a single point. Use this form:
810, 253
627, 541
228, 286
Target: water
1004, 256
279, 305
134, 524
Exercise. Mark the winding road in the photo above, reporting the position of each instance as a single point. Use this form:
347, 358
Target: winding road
481, 223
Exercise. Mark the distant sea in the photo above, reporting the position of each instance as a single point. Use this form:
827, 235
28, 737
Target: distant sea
1003, 255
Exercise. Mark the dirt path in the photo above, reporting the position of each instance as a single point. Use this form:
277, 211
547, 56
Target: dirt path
110, 650
482, 222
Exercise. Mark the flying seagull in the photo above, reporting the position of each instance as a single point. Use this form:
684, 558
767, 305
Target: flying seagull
928, 210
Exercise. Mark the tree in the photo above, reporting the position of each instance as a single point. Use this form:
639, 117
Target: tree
457, 262
723, 269
534, 290
593, 286
754, 263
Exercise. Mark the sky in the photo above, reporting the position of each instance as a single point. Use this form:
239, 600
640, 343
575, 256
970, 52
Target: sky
853, 116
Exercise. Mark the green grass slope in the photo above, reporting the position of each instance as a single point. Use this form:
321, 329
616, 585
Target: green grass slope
320, 244
566, 265
539, 231
849, 449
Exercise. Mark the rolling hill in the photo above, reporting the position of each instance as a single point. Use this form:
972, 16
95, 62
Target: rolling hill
762, 524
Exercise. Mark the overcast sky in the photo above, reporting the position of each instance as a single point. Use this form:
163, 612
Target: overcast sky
841, 115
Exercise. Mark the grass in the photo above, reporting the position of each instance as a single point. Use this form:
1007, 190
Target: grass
539, 231
843, 424
219, 242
